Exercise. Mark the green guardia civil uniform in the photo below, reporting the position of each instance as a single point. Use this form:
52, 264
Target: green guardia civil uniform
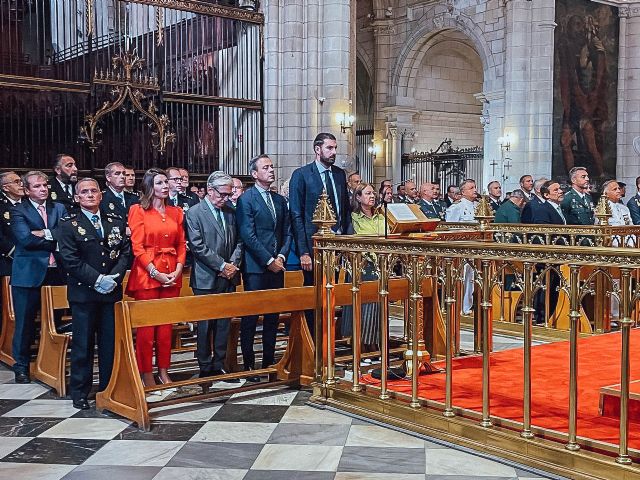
577, 209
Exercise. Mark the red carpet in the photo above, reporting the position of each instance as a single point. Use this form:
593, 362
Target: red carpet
598, 366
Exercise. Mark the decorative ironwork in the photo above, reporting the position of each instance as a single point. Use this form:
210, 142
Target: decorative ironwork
196, 6
159, 26
90, 16
129, 83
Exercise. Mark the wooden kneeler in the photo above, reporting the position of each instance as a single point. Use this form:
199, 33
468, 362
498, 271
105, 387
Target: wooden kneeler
8, 324
126, 396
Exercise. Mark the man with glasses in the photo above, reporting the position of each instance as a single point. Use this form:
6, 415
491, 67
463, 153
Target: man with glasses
62, 184
177, 198
115, 199
217, 253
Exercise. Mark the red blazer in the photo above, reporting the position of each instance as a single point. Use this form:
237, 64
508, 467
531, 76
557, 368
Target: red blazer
156, 239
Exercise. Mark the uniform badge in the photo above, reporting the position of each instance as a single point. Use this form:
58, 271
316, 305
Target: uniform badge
7, 216
109, 220
114, 254
185, 207
81, 231
54, 196
112, 206
74, 223
114, 237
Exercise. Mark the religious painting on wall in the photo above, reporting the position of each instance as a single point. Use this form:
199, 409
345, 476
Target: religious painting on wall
585, 88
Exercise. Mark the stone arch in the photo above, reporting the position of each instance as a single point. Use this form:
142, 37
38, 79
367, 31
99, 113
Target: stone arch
424, 36
367, 62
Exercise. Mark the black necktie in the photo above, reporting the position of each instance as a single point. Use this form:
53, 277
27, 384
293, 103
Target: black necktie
332, 195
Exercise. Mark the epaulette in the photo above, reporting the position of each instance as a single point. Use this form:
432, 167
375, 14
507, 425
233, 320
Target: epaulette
71, 216
113, 215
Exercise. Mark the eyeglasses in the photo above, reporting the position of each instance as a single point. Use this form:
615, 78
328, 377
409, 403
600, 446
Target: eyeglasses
223, 195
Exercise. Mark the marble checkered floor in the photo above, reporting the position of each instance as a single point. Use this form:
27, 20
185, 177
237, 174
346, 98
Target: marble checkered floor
269, 434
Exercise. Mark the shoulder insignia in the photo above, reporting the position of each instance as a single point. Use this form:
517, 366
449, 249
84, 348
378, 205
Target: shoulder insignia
54, 196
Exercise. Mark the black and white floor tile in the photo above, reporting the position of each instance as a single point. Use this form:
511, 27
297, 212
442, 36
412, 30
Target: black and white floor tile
262, 435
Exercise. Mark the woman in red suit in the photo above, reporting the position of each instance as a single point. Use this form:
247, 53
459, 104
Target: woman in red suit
159, 249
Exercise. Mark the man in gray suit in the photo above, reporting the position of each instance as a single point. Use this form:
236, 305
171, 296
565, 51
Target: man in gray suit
217, 252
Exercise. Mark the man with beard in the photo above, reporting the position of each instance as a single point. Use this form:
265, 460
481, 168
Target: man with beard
577, 205
305, 187
61, 186
526, 185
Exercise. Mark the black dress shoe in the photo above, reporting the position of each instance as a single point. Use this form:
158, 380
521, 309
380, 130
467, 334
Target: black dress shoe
81, 404
254, 378
222, 371
22, 377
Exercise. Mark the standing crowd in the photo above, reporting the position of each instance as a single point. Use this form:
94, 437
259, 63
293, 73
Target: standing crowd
68, 231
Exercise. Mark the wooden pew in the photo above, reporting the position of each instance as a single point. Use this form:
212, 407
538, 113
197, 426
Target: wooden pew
126, 395
8, 323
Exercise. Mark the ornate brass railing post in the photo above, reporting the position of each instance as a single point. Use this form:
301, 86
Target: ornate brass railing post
574, 318
449, 315
486, 307
527, 317
330, 306
356, 272
415, 296
318, 317
626, 323
323, 278
383, 295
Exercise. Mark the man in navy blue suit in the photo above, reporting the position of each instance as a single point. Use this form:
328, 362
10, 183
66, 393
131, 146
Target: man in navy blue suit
548, 213
536, 201
264, 225
34, 263
305, 188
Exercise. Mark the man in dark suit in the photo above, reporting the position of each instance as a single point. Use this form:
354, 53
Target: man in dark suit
453, 195
529, 209
34, 263
130, 181
305, 188
186, 187
263, 219
495, 195
12, 193
176, 196
95, 254
61, 185
115, 199
237, 191
217, 253
548, 213
634, 204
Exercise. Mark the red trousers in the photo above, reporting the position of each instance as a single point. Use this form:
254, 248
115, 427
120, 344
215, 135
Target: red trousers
145, 336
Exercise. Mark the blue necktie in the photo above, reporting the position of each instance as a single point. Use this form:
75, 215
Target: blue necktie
95, 219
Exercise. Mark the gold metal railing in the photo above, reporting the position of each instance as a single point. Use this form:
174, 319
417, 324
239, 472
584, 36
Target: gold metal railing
445, 265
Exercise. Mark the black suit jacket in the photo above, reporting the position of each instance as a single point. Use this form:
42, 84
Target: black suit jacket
58, 195
7, 244
305, 188
529, 209
547, 214
85, 256
112, 204
263, 237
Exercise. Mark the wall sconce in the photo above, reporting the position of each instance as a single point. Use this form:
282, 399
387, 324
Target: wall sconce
345, 121
373, 149
505, 142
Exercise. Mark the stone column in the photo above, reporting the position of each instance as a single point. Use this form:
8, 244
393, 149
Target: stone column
628, 162
307, 48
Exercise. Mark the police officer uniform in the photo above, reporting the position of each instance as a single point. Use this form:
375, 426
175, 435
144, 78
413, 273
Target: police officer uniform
7, 244
63, 195
431, 209
577, 208
112, 203
91, 249
634, 208
494, 204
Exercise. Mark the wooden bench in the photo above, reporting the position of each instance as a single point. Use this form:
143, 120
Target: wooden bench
126, 395
8, 323
51, 362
